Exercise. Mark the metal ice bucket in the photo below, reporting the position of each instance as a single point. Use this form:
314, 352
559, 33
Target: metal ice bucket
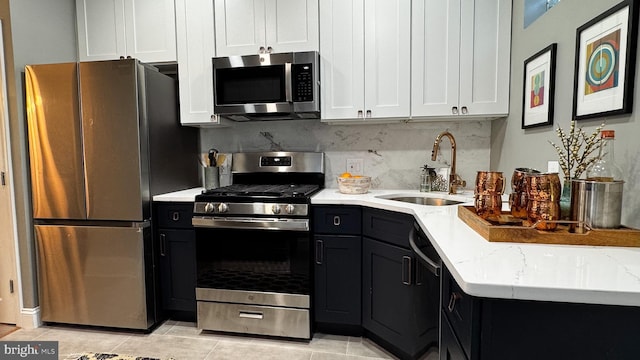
597, 204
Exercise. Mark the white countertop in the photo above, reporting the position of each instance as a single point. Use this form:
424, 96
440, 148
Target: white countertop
188, 195
565, 273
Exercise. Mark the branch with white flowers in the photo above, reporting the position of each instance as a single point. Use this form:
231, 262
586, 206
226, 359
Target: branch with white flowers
575, 155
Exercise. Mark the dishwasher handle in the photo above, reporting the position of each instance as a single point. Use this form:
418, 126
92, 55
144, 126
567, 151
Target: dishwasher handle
431, 264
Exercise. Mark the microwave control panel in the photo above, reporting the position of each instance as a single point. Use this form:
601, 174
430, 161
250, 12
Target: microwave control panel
302, 75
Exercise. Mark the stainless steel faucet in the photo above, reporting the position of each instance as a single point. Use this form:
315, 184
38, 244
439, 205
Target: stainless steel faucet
454, 179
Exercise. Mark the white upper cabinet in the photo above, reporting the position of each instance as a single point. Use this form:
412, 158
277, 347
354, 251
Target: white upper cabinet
246, 27
141, 29
460, 58
365, 58
196, 47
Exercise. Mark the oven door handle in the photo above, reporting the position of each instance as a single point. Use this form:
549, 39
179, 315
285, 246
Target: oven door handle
250, 223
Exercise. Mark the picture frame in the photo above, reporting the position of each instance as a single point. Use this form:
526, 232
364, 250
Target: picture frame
539, 88
605, 63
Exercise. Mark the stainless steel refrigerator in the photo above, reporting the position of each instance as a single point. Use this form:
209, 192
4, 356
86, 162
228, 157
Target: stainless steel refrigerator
104, 137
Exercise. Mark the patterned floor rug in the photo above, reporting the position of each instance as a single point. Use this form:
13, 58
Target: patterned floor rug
104, 356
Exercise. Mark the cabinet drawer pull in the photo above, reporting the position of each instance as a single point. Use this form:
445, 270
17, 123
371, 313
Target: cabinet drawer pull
368, 113
464, 110
406, 270
251, 315
319, 252
163, 240
360, 114
336, 220
175, 216
452, 301
454, 110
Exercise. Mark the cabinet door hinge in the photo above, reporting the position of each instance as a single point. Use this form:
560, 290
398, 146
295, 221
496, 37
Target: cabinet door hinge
3, 179
11, 286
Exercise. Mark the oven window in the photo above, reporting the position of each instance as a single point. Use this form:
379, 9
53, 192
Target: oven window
253, 260
247, 85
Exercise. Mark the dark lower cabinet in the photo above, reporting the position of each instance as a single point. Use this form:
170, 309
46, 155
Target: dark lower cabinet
338, 268
176, 244
450, 349
338, 279
400, 296
502, 329
178, 269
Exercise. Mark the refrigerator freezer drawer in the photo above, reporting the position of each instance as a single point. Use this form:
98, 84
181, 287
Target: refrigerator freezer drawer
95, 275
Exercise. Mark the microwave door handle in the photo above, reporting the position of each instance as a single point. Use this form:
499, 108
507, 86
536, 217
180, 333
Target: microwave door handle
288, 91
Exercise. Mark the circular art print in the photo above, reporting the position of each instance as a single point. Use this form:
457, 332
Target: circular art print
602, 63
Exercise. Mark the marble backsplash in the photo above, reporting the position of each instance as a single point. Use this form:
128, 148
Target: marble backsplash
393, 153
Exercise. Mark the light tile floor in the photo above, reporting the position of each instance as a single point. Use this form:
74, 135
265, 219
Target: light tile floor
183, 341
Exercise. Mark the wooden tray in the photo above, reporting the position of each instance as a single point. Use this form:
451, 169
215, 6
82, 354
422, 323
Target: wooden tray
509, 233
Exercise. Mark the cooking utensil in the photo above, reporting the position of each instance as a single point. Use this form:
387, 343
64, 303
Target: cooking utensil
221, 158
213, 153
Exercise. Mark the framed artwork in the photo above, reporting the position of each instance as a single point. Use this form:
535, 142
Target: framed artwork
605, 63
539, 84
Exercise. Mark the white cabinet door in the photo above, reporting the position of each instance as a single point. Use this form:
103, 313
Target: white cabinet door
460, 58
196, 47
485, 41
365, 57
435, 57
240, 28
342, 59
110, 29
245, 27
151, 30
291, 25
100, 29
387, 60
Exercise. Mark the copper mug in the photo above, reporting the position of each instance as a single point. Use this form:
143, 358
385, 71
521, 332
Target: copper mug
488, 205
518, 196
544, 214
543, 187
543, 200
489, 183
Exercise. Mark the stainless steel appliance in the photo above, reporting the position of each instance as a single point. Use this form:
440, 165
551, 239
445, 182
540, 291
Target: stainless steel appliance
267, 86
103, 139
253, 246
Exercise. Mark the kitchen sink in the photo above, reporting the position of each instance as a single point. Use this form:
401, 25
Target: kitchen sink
422, 200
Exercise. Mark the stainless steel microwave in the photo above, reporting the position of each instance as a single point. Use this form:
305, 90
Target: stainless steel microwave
267, 86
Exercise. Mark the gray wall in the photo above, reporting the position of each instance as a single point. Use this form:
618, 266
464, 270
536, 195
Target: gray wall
513, 147
43, 31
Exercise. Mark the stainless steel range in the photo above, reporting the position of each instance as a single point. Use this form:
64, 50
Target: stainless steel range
254, 246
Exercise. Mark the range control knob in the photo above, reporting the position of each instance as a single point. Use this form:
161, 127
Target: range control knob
290, 208
208, 208
223, 208
276, 209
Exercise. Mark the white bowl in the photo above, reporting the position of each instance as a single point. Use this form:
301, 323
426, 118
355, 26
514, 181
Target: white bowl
354, 185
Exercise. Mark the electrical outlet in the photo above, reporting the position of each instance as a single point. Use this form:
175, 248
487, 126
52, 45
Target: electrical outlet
553, 166
355, 166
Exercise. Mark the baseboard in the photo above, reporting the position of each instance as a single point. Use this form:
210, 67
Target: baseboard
30, 318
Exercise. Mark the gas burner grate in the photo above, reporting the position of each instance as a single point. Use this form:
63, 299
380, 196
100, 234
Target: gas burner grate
258, 190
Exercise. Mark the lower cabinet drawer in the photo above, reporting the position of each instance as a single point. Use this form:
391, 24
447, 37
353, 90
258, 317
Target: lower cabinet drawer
459, 308
252, 319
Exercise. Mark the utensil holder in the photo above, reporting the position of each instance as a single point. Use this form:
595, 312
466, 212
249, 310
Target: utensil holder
211, 177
